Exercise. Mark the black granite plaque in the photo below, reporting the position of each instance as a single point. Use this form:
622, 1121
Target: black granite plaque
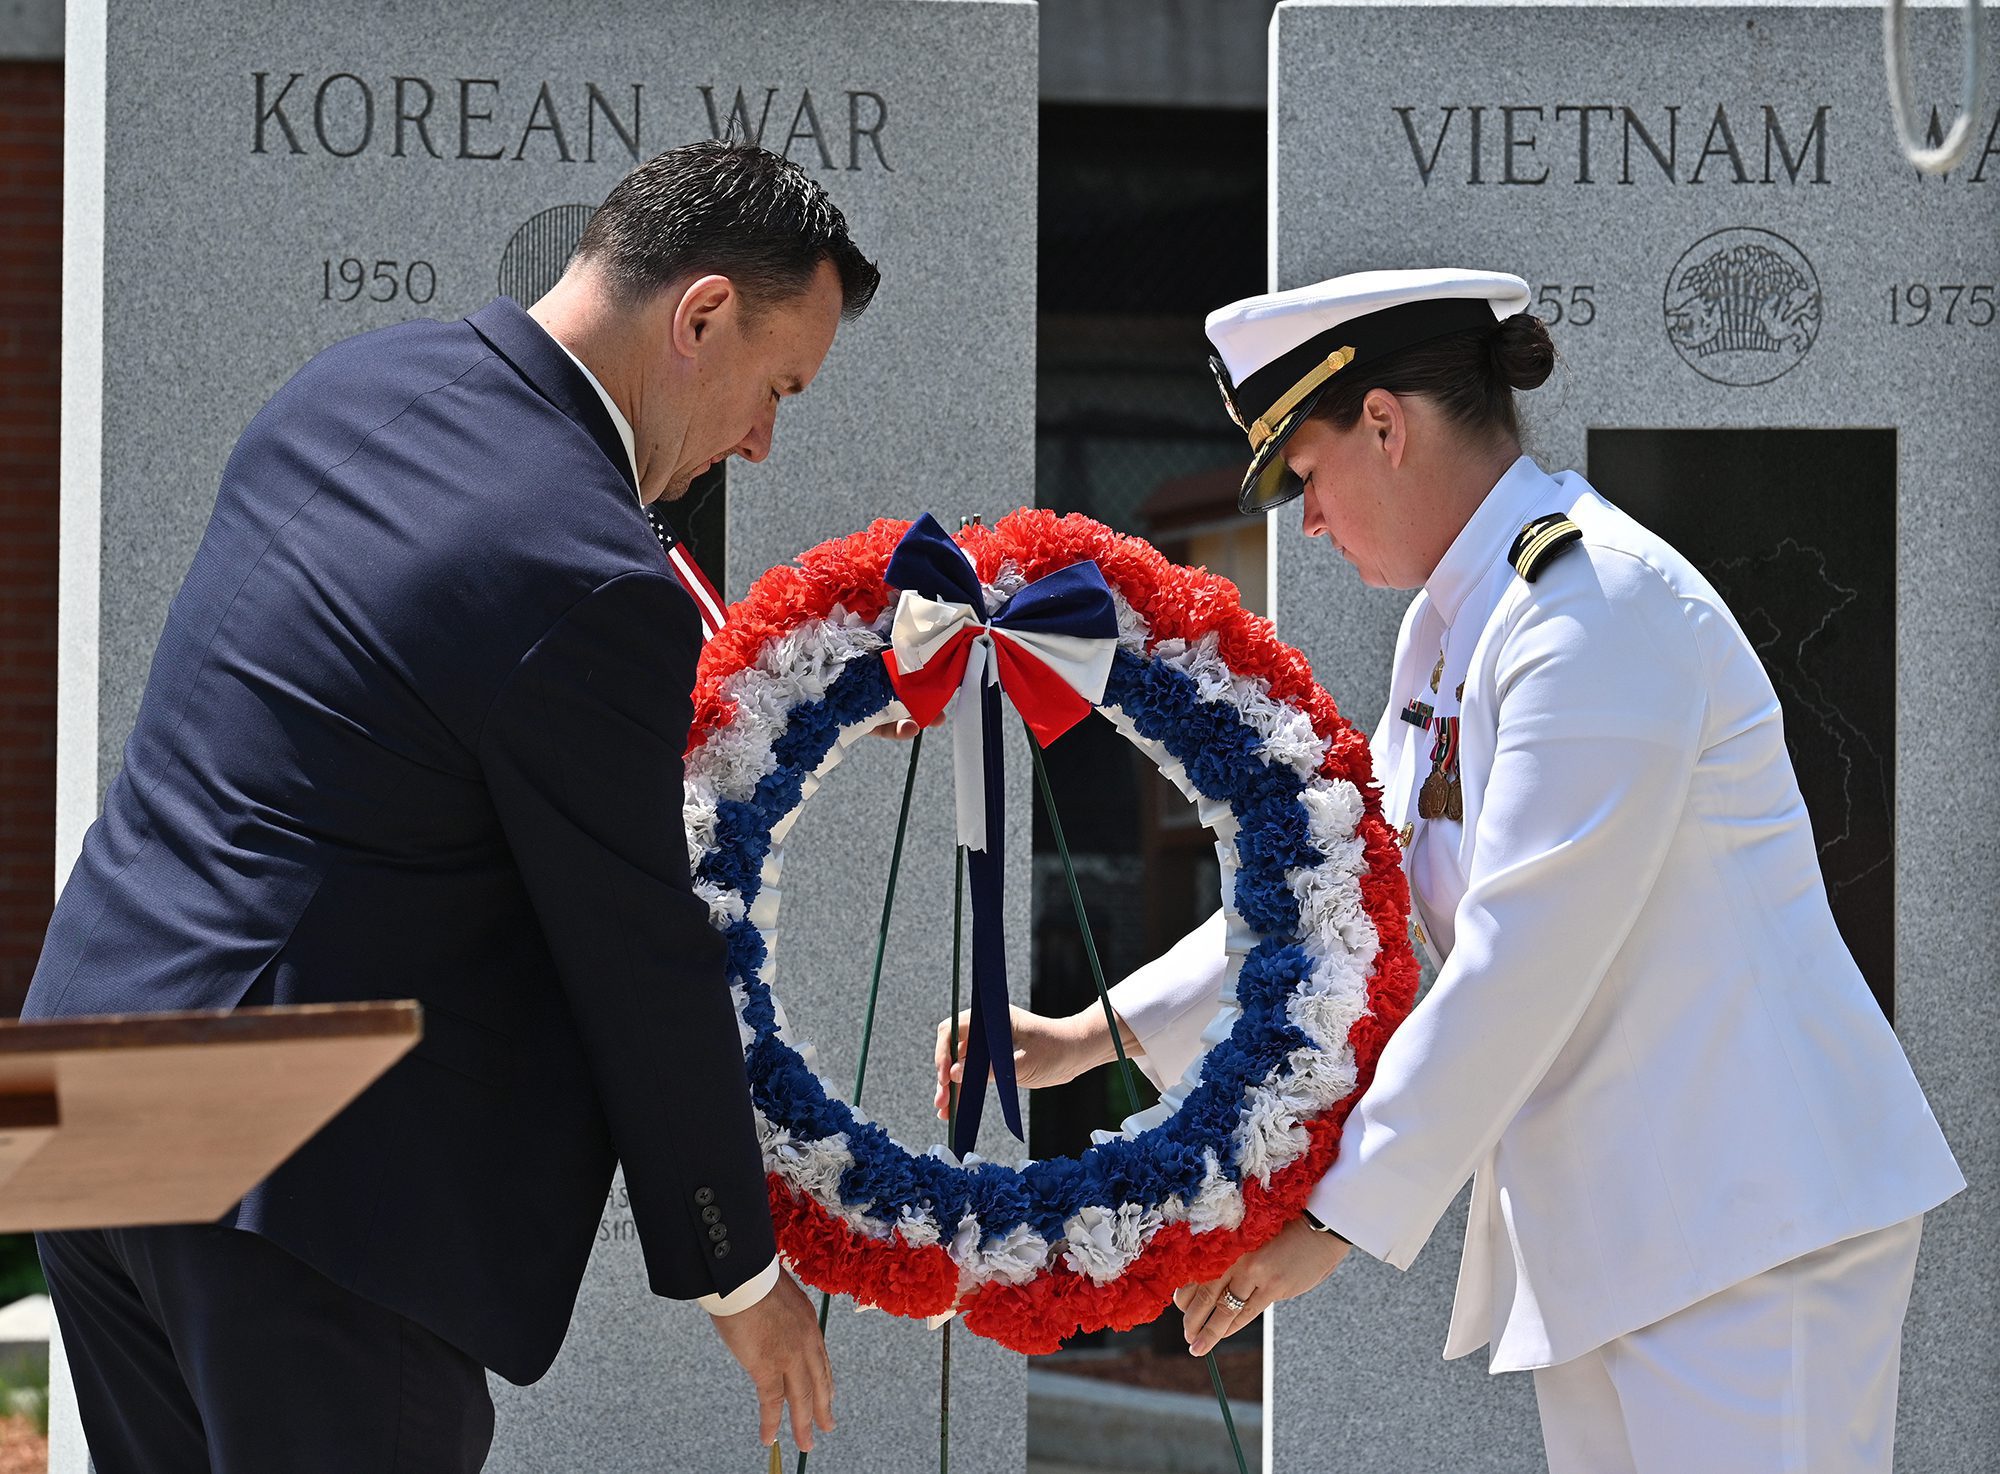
700, 520
1797, 531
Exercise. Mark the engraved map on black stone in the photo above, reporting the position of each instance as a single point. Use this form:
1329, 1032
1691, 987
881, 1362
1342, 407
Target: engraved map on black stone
1796, 530
1786, 599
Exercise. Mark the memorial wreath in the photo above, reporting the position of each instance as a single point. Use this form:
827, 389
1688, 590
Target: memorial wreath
1062, 614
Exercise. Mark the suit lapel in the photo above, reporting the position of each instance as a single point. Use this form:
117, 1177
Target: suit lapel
551, 373
540, 360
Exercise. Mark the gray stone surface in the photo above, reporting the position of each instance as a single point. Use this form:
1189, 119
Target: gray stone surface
1356, 1365
31, 30
201, 245
1156, 53
25, 1328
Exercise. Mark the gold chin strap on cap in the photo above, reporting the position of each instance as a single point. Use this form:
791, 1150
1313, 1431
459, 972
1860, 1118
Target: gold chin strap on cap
1265, 424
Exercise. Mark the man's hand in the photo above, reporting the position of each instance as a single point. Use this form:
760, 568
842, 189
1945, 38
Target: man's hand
1047, 1051
1292, 1263
777, 1340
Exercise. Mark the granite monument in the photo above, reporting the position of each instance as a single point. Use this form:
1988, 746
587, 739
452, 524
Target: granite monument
247, 186
1779, 345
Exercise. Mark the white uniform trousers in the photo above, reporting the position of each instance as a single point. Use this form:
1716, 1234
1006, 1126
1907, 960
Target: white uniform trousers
1793, 1371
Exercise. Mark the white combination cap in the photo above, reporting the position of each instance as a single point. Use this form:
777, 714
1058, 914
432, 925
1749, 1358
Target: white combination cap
1275, 354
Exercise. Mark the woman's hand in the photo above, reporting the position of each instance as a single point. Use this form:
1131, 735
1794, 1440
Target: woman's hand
1047, 1051
1292, 1263
903, 728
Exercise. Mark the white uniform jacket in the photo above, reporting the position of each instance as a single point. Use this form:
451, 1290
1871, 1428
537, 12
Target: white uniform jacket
1646, 1040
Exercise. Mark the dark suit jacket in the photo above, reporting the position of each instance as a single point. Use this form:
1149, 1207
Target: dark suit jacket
414, 729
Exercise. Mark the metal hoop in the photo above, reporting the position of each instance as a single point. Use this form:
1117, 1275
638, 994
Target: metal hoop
1896, 55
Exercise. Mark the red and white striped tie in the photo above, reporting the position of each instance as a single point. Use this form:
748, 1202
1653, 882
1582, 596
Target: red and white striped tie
707, 602
710, 605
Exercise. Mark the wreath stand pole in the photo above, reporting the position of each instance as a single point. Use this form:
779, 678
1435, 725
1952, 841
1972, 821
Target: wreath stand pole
951, 1128
888, 904
875, 980
1125, 1067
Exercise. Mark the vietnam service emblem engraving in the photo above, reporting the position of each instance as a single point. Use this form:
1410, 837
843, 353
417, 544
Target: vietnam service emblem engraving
1742, 306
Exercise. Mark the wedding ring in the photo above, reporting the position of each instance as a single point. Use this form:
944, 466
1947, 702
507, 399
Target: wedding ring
1232, 1302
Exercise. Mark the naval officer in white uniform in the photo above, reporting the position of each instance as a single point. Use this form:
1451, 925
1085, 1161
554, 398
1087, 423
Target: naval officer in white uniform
1700, 1160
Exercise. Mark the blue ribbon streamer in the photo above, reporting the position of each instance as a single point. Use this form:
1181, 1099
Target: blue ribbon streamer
1070, 601
989, 1044
930, 563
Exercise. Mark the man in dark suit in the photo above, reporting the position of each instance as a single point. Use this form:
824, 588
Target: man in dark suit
414, 729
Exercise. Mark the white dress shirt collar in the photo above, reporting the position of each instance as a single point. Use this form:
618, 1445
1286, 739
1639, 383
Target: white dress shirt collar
1485, 539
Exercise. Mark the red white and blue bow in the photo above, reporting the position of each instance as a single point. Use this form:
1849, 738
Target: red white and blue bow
1050, 648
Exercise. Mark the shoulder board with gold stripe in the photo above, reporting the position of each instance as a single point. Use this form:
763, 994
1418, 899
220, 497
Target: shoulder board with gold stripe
1541, 542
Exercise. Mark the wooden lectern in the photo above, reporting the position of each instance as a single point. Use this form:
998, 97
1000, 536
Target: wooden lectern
172, 1117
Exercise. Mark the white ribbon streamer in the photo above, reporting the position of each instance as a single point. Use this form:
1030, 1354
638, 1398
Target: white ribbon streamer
968, 742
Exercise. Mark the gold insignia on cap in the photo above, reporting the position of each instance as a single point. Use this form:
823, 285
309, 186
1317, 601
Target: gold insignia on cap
1265, 426
1540, 542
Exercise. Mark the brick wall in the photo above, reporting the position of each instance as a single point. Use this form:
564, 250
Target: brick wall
31, 100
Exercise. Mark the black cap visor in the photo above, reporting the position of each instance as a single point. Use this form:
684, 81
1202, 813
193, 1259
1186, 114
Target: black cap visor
1269, 483
1359, 341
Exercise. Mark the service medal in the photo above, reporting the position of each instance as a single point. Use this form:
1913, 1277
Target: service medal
1441, 796
1431, 797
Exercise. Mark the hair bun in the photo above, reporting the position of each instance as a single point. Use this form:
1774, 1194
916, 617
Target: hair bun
1522, 352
